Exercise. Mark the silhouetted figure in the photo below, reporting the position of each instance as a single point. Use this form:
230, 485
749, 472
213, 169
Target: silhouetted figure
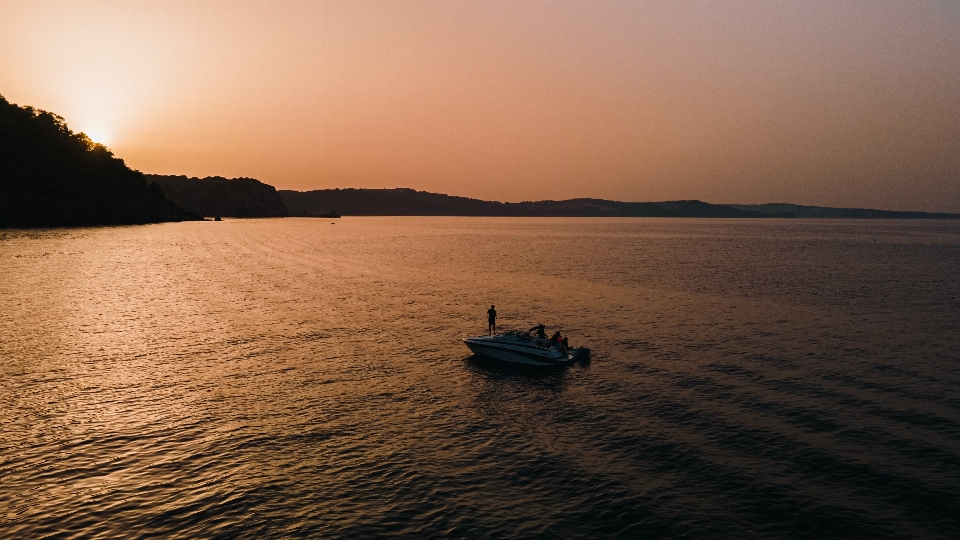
540, 330
555, 339
492, 320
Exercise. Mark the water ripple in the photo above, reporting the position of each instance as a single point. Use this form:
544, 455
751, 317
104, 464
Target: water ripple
275, 378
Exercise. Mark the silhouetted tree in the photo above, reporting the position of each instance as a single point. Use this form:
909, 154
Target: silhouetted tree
50, 175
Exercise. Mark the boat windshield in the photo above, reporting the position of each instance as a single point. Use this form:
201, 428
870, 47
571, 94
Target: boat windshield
517, 335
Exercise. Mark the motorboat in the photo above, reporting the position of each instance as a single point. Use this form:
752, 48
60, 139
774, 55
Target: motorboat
520, 347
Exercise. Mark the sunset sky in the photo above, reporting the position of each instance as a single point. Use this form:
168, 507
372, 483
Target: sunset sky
828, 103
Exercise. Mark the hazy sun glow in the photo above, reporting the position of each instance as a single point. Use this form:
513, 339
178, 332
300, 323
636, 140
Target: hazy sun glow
98, 135
833, 103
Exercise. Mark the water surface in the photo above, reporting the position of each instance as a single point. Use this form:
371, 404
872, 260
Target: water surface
289, 377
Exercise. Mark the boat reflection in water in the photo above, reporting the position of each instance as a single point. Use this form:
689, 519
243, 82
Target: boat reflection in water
517, 347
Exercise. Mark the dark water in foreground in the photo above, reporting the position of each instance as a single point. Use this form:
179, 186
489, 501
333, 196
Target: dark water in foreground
275, 378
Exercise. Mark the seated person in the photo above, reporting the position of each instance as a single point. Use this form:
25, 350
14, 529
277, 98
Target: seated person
555, 339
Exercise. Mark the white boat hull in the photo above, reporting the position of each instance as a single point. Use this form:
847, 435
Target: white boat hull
517, 353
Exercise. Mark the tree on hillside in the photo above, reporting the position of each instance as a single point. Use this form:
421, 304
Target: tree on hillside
49, 168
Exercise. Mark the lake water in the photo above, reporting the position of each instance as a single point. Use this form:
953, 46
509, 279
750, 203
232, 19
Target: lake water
289, 377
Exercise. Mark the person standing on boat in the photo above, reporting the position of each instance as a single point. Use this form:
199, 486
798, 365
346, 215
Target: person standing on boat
541, 331
492, 320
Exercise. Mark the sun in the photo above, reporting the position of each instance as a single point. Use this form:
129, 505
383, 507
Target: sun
98, 135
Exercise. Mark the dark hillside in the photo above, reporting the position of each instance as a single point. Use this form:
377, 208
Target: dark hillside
825, 212
50, 176
408, 202
218, 196
604, 208
384, 202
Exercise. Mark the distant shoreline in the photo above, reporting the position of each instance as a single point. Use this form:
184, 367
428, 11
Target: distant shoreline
53, 177
248, 197
409, 202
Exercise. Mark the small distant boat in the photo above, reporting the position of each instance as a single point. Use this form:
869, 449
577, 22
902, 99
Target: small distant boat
217, 218
518, 347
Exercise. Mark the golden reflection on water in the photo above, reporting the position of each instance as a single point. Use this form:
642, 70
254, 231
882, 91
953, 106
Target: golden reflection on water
285, 376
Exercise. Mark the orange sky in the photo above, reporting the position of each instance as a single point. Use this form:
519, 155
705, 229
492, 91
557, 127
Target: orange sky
829, 103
